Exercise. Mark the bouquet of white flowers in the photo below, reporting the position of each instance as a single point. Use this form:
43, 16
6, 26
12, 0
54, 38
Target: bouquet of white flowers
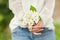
30, 17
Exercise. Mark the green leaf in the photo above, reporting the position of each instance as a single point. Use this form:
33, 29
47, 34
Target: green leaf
32, 8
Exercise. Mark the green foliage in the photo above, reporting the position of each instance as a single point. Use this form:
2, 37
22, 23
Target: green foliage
5, 17
32, 8
4, 37
57, 30
1, 17
5, 14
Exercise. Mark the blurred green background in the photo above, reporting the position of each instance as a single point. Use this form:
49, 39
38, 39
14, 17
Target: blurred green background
6, 15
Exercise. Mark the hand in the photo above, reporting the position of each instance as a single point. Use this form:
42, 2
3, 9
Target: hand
36, 28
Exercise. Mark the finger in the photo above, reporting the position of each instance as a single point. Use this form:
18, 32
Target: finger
35, 30
41, 27
34, 26
37, 33
41, 30
38, 26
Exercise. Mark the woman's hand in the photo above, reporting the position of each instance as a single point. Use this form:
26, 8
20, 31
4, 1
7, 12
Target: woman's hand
36, 28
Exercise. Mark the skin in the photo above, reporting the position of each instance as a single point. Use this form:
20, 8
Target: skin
36, 27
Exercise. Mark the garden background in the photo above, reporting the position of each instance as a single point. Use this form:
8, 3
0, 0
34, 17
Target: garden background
6, 15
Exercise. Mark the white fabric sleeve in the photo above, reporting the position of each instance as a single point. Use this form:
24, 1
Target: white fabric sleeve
47, 14
15, 6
